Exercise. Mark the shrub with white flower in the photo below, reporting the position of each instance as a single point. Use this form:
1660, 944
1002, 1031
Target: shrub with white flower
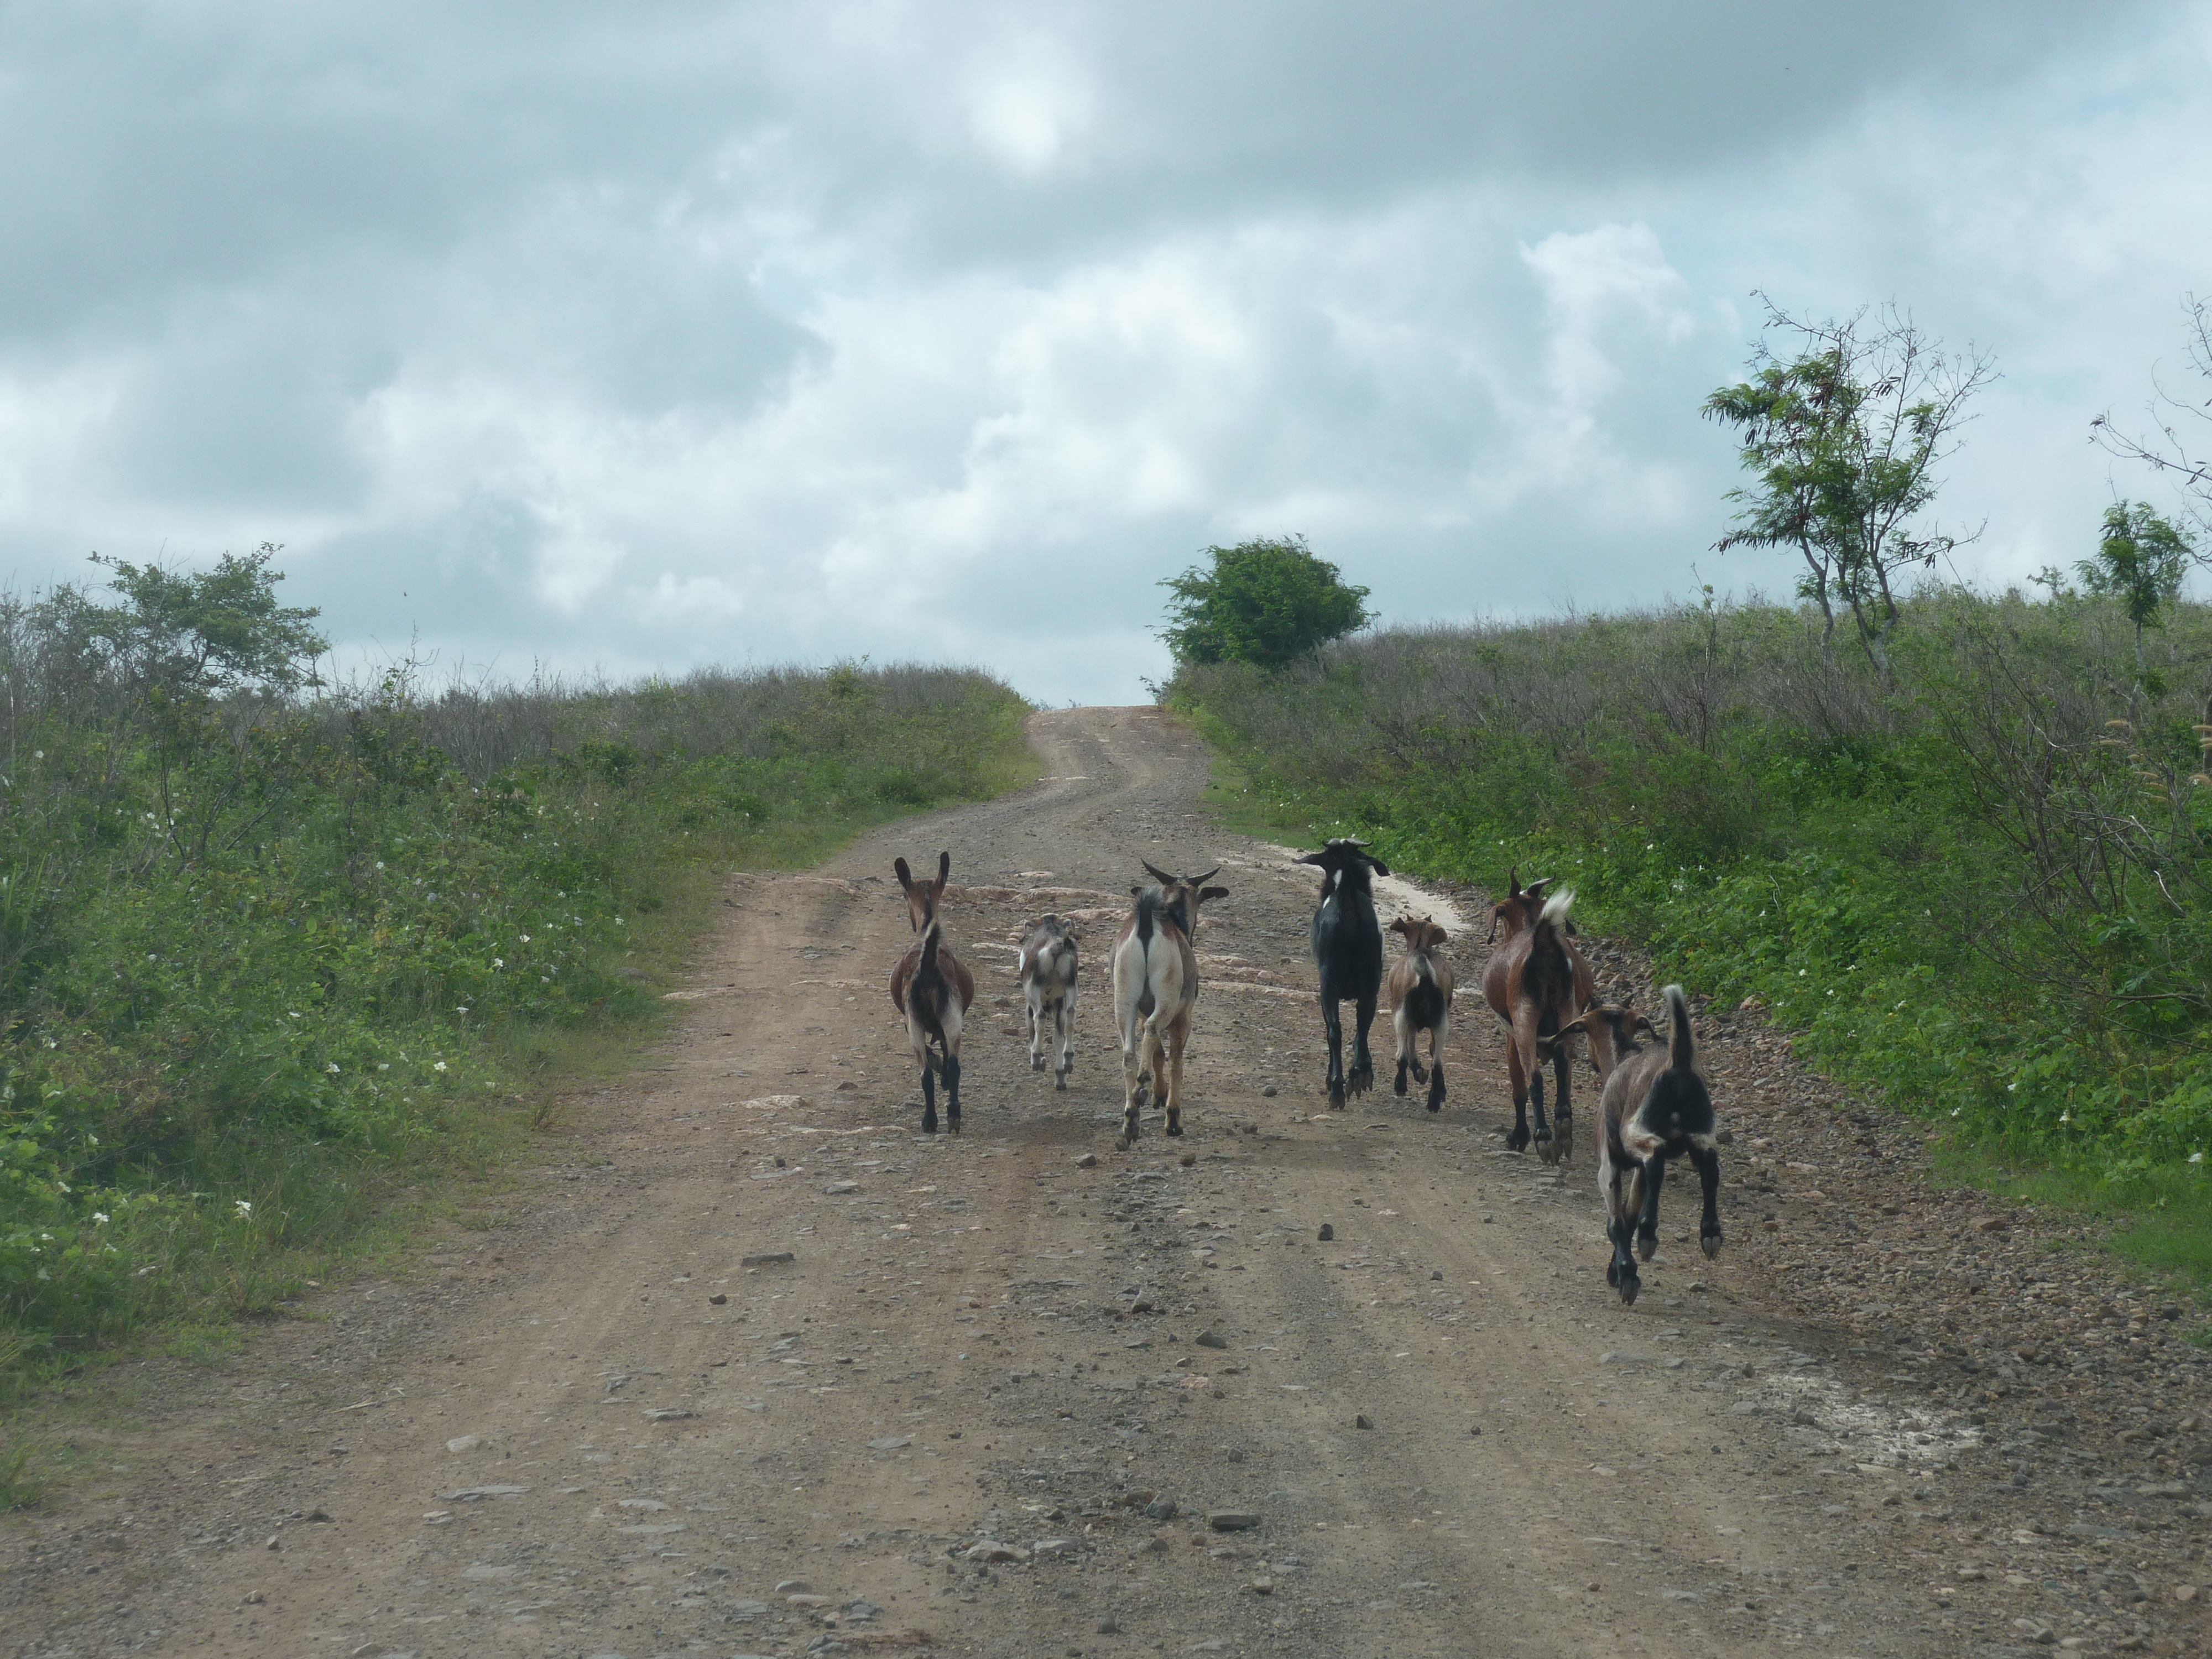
245, 1209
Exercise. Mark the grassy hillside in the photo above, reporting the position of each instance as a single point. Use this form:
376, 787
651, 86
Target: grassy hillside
1982, 888
271, 952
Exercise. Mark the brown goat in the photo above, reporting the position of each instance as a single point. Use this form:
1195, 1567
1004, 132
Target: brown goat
1419, 993
932, 990
1536, 981
1654, 1107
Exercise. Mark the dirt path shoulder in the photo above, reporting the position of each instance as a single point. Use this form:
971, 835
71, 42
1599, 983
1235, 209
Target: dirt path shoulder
759, 1369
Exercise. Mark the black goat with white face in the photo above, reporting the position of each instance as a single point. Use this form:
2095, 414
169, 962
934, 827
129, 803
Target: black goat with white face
1347, 947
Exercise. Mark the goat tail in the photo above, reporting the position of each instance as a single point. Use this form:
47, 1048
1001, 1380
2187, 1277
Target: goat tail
1424, 970
1682, 1047
1556, 908
925, 996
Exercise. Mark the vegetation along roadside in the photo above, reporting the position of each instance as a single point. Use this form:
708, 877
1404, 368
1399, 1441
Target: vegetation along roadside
274, 952
1961, 843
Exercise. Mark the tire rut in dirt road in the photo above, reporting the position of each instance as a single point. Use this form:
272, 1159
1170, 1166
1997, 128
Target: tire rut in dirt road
763, 1370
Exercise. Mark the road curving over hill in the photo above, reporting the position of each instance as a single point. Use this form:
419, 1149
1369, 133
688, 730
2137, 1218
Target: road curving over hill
756, 1369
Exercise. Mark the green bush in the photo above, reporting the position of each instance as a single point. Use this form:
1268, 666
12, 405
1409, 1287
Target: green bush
267, 947
1985, 888
1267, 602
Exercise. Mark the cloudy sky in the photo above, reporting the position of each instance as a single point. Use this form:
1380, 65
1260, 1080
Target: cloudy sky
642, 337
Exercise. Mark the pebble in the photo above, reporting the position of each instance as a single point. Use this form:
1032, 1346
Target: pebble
795, 1587
768, 1259
1268, 1091
461, 1443
1328, 1232
1160, 1509
1108, 1626
718, 1300
1187, 1159
1620, 1357
991, 1550
889, 1443
1435, 1274
1053, 1546
837, 1188
667, 1414
1211, 1340
478, 1494
1231, 1520
1088, 1161
1363, 1421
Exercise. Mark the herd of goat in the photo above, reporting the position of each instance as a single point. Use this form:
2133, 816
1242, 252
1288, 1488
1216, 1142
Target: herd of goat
1653, 1105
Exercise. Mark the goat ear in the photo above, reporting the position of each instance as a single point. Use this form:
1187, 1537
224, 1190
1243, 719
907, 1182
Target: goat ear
1205, 893
944, 871
905, 875
1644, 1026
1381, 868
1443, 938
1311, 858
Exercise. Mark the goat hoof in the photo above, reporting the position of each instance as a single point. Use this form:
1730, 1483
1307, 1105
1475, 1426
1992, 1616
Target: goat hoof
1613, 1272
1629, 1287
1174, 1128
1036, 1062
1710, 1243
1336, 1095
1398, 1087
1436, 1102
929, 1126
1060, 1085
1647, 1245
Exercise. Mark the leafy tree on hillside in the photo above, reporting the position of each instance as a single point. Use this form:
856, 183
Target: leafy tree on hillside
197, 634
1843, 438
2141, 561
1265, 602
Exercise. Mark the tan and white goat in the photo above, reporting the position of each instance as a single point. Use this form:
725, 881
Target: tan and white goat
1155, 974
1419, 993
1048, 968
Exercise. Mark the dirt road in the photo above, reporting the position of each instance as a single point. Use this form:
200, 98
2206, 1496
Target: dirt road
760, 1370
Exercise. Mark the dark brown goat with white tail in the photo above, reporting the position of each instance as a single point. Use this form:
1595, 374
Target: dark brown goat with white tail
1537, 981
932, 989
1419, 991
1654, 1107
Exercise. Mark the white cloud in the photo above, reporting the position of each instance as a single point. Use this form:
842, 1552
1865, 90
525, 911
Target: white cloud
898, 330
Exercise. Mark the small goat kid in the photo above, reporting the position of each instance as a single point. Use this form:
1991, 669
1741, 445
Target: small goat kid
932, 990
1419, 990
1347, 948
1536, 981
1654, 1107
1049, 969
1155, 974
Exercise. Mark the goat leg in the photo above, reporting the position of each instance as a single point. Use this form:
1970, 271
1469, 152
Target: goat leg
1565, 1114
1708, 1161
1362, 1062
1647, 1221
1621, 1275
953, 1091
1436, 1074
928, 1098
1332, 1021
1544, 1149
1036, 1030
1518, 1139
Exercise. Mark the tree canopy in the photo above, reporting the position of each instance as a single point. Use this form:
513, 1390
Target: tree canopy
1843, 438
1266, 601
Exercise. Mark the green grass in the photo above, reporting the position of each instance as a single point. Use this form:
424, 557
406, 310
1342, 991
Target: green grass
1981, 892
313, 976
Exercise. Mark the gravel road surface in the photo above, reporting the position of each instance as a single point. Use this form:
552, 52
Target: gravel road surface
757, 1369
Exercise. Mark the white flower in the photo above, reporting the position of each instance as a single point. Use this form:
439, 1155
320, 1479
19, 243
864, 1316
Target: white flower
64, 1186
618, 921
2066, 1117
525, 938
292, 1014
2197, 1157
332, 1068
383, 1065
463, 1009
499, 962
245, 1210
439, 1066
99, 1219
2013, 1087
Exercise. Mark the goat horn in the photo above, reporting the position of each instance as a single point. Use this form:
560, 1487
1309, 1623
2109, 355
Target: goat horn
1157, 873
1208, 876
